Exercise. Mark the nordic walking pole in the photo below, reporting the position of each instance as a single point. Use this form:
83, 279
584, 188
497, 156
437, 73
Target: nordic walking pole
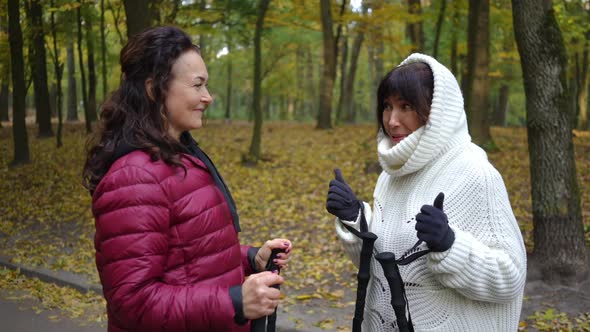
271, 266
363, 277
396, 287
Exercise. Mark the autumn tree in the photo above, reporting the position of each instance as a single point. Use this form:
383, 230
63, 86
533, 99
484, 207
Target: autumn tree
415, 30
376, 52
118, 17
346, 109
504, 65
254, 153
19, 128
4, 65
560, 248
103, 50
87, 116
58, 67
456, 14
90, 38
477, 84
329, 66
575, 15
72, 100
438, 29
138, 16
39, 68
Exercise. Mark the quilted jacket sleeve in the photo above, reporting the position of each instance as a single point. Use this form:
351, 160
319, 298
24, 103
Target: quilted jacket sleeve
132, 218
248, 255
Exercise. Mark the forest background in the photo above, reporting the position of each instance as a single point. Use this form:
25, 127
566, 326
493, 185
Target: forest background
294, 85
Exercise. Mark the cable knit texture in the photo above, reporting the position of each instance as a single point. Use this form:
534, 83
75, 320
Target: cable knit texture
476, 285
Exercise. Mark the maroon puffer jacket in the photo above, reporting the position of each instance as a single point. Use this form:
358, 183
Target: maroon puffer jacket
166, 248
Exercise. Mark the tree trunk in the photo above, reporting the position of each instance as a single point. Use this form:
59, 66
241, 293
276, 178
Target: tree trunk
349, 107
439, 23
30, 79
202, 37
39, 70
19, 128
477, 87
4, 96
229, 87
340, 112
582, 97
116, 19
91, 67
583, 123
300, 91
329, 67
455, 42
72, 87
254, 154
376, 55
58, 68
560, 247
312, 100
414, 29
138, 16
87, 117
502, 108
229, 58
53, 99
4, 73
103, 49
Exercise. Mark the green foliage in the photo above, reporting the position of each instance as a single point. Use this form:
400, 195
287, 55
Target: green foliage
573, 17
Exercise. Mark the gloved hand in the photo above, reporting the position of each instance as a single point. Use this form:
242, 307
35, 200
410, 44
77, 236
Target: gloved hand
341, 200
433, 227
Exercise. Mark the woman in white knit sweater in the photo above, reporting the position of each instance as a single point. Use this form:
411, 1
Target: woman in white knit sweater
473, 278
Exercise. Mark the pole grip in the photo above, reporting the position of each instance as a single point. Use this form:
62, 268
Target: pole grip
363, 277
396, 287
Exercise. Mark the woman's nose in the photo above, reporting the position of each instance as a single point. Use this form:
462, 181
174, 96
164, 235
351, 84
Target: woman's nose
393, 119
206, 97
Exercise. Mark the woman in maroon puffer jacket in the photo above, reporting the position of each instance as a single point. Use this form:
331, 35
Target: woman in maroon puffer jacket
167, 248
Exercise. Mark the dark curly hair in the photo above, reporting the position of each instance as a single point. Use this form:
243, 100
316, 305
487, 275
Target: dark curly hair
130, 116
413, 82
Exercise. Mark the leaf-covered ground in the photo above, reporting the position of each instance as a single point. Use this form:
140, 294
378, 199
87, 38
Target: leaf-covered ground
45, 217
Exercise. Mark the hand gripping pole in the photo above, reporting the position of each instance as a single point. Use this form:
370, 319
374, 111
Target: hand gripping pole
268, 323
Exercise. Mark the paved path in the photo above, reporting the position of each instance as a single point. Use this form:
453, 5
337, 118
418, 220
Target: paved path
19, 317
303, 317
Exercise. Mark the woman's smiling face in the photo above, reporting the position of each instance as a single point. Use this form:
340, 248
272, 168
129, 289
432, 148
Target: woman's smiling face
400, 119
187, 97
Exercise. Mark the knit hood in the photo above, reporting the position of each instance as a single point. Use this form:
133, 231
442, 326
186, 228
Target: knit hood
446, 125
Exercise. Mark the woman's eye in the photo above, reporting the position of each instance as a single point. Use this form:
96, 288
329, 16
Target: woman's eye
408, 107
200, 85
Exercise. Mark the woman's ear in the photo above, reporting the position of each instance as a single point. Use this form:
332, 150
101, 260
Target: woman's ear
149, 88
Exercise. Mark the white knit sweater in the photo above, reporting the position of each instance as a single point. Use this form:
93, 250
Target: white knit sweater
476, 285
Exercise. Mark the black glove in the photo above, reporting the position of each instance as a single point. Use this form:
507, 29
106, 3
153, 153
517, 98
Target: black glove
433, 227
341, 200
